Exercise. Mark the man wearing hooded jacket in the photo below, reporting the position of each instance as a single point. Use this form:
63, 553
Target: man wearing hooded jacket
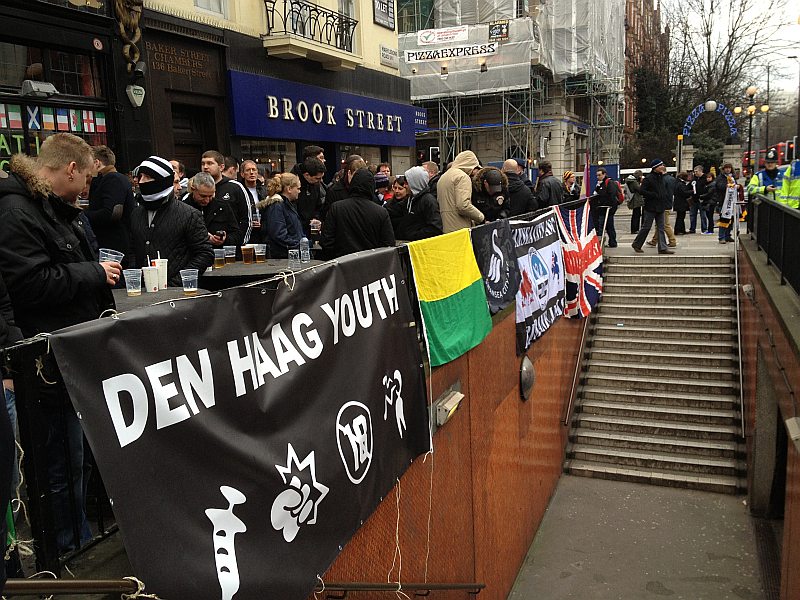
454, 192
357, 222
163, 225
421, 218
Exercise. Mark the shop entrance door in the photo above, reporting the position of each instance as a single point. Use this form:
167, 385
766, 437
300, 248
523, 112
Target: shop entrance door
193, 133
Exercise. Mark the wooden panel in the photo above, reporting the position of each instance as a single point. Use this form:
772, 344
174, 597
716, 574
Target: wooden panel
495, 465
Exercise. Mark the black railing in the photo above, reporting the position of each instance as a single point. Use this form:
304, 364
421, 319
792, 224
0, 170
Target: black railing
776, 228
306, 19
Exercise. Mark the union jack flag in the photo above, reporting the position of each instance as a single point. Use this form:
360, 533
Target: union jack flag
583, 260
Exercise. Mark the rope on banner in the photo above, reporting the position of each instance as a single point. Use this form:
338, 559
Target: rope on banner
285, 276
430, 514
35, 575
398, 555
109, 312
322, 591
40, 361
139, 593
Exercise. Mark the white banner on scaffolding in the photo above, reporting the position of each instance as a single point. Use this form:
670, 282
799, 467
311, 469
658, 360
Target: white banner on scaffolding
446, 35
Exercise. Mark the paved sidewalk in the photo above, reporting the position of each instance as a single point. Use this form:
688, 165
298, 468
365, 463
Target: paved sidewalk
607, 539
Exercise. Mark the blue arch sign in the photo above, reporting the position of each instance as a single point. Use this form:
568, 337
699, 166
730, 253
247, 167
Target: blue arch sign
726, 113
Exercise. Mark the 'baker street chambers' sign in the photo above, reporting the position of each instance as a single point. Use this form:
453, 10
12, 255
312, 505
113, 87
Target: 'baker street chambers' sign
266, 107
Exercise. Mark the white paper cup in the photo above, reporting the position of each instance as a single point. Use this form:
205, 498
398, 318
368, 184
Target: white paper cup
161, 265
150, 276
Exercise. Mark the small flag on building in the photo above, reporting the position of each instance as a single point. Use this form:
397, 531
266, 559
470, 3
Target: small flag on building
88, 121
33, 118
75, 120
62, 119
100, 122
48, 119
3, 117
14, 116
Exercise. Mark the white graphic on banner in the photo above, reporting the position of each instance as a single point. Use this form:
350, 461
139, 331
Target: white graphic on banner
226, 526
297, 505
354, 438
393, 388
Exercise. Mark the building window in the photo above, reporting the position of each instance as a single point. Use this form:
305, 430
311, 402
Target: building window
215, 6
346, 8
72, 74
413, 15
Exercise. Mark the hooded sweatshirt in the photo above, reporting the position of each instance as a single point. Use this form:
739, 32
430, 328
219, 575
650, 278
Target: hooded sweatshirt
357, 222
454, 192
417, 178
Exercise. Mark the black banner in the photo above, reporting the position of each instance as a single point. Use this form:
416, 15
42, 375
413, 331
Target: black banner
244, 437
540, 299
494, 251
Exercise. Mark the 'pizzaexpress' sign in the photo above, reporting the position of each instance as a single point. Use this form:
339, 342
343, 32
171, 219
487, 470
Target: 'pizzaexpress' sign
414, 56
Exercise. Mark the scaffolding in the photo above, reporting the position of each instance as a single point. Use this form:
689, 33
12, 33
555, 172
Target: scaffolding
470, 80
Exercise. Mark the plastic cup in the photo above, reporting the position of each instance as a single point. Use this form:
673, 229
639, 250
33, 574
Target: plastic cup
189, 278
230, 254
293, 263
248, 254
150, 276
219, 258
133, 281
109, 255
261, 253
161, 265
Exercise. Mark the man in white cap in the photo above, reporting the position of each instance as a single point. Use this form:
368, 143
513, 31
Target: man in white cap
163, 226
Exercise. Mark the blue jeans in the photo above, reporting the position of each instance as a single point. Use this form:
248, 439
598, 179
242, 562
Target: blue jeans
11, 408
725, 232
65, 470
693, 210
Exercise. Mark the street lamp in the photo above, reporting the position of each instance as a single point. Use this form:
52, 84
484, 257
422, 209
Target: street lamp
751, 109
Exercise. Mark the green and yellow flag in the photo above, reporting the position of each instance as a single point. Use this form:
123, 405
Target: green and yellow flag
451, 295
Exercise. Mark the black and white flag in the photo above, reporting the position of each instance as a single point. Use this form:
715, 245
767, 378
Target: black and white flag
494, 251
244, 437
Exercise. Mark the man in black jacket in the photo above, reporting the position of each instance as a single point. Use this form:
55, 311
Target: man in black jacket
548, 187
230, 191
309, 203
656, 200
54, 281
357, 222
223, 230
520, 197
340, 188
162, 224
110, 204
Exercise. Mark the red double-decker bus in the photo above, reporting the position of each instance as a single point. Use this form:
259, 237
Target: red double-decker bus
785, 153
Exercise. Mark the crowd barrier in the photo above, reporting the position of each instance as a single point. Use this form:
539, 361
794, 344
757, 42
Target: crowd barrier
776, 230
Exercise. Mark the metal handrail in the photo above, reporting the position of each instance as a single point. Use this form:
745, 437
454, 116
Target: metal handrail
420, 589
582, 347
738, 318
307, 20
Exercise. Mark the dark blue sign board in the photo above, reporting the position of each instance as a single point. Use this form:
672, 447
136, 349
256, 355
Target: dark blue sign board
265, 107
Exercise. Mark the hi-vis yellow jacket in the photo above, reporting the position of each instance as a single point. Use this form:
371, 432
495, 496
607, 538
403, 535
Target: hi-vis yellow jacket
790, 188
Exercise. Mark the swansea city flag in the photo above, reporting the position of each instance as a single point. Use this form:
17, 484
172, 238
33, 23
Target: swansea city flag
540, 299
497, 260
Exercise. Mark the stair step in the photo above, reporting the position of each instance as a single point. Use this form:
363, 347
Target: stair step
695, 360
659, 412
662, 397
669, 278
614, 267
648, 343
657, 384
656, 460
652, 443
651, 299
621, 306
703, 431
628, 331
667, 289
681, 372
712, 483
673, 260
671, 321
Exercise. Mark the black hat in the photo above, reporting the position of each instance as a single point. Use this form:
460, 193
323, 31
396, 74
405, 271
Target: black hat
493, 180
772, 155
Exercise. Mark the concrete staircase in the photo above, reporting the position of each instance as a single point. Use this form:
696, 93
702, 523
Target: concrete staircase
659, 395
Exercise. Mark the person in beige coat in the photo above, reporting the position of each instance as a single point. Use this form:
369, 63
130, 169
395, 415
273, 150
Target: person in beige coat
454, 192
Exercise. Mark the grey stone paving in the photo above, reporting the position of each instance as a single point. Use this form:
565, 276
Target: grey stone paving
605, 539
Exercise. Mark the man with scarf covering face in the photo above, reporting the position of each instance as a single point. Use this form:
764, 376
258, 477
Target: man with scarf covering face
160, 224
725, 188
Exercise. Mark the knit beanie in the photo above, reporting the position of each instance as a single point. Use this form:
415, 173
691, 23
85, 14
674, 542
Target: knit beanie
154, 192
